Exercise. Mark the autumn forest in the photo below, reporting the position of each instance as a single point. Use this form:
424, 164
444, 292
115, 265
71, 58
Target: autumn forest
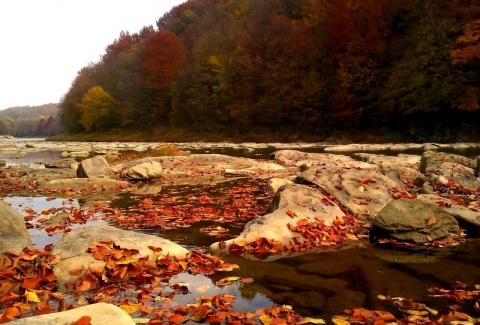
304, 67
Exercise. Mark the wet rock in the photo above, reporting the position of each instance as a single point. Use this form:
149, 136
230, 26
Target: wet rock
96, 167
148, 188
85, 186
291, 204
413, 221
143, 171
62, 163
100, 314
72, 248
459, 209
14, 236
363, 192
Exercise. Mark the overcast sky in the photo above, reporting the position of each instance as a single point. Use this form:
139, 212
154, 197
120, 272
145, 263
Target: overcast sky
44, 43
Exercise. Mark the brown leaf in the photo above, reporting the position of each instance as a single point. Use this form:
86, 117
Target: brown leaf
84, 320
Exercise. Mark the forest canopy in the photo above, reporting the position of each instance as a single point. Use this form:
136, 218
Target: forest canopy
307, 66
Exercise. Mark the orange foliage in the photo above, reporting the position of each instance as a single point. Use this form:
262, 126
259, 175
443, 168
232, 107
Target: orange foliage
163, 56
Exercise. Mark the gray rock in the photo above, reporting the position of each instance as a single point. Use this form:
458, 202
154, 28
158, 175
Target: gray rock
72, 248
363, 192
431, 161
143, 172
468, 213
100, 314
62, 163
14, 236
414, 221
96, 167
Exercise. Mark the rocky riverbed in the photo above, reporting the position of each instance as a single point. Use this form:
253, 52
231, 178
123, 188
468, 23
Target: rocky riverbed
414, 202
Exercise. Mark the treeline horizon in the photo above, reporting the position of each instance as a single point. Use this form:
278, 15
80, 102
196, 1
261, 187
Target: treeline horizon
31, 121
309, 67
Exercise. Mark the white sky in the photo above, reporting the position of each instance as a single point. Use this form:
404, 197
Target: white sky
44, 43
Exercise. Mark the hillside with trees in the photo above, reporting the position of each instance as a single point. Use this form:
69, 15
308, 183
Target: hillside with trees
306, 67
31, 121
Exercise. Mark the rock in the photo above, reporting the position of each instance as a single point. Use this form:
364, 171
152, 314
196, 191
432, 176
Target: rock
298, 158
100, 314
62, 163
14, 236
148, 188
431, 161
72, 248
363, 192
143, 172
477, 167
466, 213
275, 183
305, 203
87, 185
403, 160
413, 221
96, 167
76, 154
3, 163
359, 147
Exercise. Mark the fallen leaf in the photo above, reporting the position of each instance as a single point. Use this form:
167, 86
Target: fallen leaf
31, 296
431, 220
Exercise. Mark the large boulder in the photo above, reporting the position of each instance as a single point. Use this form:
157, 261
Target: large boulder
363, 192
99, 313
431, 161
411, 220
291, 204
96, 167
14, 236
72, 249
144, 171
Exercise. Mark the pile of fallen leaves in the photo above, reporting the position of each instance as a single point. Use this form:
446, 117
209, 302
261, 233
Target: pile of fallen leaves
311, 235
232, 205
27, 284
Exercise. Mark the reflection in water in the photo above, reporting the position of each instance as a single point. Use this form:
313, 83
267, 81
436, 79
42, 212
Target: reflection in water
200, 285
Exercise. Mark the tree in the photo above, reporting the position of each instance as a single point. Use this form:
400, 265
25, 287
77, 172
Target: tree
97, 109
163, 56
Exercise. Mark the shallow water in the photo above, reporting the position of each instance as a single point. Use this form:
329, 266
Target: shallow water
320, 284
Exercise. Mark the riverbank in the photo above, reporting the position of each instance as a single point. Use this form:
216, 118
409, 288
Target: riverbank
259, 136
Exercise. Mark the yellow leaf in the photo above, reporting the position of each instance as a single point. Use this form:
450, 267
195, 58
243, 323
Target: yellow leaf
431, 220
265, 319
339, 321
351, 236
129, 309
31, 296
312, 321
141, 320
127, 261
418, 312
232, 278
361, 188
202, 288
183, 264
382, 297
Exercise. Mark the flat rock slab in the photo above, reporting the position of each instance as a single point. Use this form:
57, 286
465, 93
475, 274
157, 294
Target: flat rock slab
14, 236
414, 221
363, 192
72, 248
100, 314
305, 160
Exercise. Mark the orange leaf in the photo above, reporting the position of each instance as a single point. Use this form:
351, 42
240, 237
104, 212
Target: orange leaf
291, 214
75, 271
176, 319
431, 220
31, 282
84, 320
